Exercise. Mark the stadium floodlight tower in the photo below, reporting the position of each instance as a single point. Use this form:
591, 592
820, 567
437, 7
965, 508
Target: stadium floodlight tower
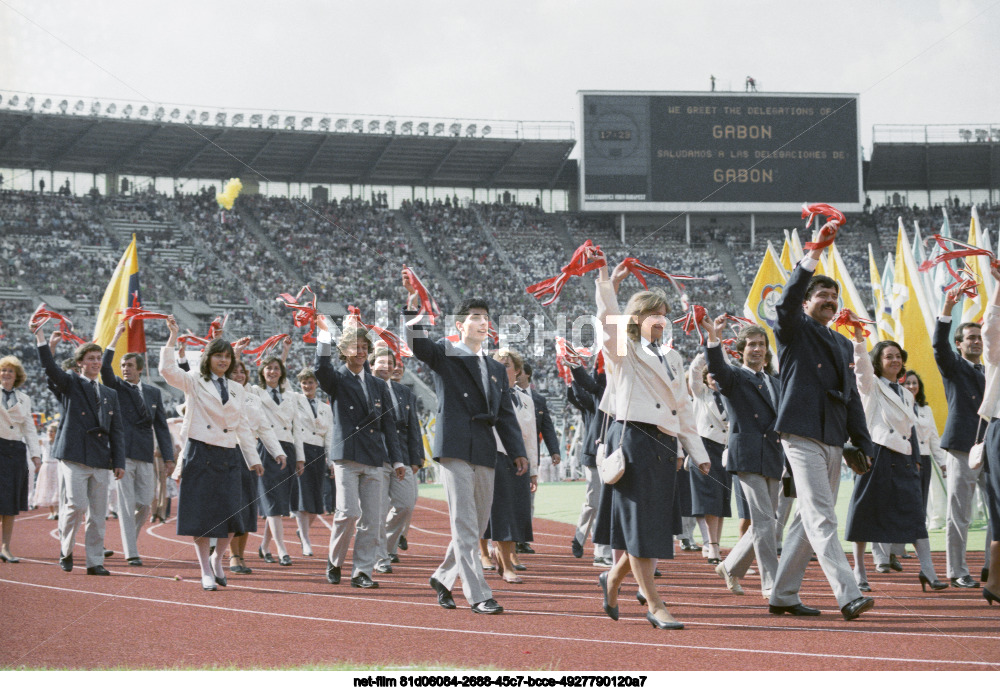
220, 119
111, 109
144, 112
78, 108
487, 130
390, 127
455, 129
423, 128
127, 111
13, 101
358, 126
470, 131
175, 113
341, 125
46, 104
237, 120
438, 129
966, 135
95, 108
407, 128
30, 105
272, 120
324, 124
306, 123
373, 126
290, 122
203, 118
189, 118
256, 120
63, 106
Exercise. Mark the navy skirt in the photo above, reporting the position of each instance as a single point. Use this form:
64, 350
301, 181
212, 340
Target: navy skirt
887, 505
684, 492
643, 507
274, 487
711, 495
13, 477
510, 516
248, 499
742, 507
602, 523
210, 491
926, 472
310, 482
992, 470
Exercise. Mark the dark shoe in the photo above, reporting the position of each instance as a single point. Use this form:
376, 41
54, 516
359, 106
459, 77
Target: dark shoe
657, 574
444, 595
984, 575
964, 582
266, 556
906, 556
363, 580
714, 561
689, 545
990, 597
853, 609
522, 548
66, 563
332, 573
798, 610
109, 552
285, 560
864, 587
211, 550
9, 557
393, 558
403, 545
520, 567
385, 568
779, 550
657, 624
490, 606
97, 571
221, 581
244, 569
640, 597
935, 584
894, 563
576, 548
602, 580
135, 561
882, 568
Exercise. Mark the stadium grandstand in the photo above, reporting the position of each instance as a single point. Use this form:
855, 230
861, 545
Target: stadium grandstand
340, 202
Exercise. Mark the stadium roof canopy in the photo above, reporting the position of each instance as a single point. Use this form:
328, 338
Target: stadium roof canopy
94, 144
934, 157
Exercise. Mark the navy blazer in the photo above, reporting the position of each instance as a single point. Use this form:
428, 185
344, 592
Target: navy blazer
408, 430
362, 433
819, 392
90, 433
586, 385
754, 445
142, 415
964, 387
543, 423
466, 413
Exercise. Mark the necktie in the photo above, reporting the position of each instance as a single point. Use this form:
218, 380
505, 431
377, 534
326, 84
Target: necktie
718, 402
9, 398
142, 399
221, 383
483, 374
395, 403
762, 378
312, 404
655, 347
979, 368
364, 388
515, 399
897, 388
276, 396
97, 392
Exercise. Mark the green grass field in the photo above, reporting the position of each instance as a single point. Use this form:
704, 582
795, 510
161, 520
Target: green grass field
561, 501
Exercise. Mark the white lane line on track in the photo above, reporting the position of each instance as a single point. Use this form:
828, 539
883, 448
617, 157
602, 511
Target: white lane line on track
521, 636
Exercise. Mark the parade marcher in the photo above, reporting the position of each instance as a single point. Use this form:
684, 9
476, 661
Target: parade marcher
18, 443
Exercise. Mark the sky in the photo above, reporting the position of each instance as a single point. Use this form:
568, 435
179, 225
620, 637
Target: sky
913, 62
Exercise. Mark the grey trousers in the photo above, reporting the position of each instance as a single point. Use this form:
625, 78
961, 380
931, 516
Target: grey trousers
585, 523
398, 499
135, 497
83, 492
359, 507
816, 468
961, 483
469, 491
760, 538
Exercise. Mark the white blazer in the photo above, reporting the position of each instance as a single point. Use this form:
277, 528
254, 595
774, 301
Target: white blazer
927, 435
890, 418
990, 407
17, 424
525, 413
645, 389
314, 430
282, 418
261, 428
711, 423
205, 417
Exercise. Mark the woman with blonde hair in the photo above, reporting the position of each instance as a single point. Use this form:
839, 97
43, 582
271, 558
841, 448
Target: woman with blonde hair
510, 516
18, 442
652, 413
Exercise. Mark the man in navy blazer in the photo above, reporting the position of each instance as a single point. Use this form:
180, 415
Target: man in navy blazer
964, 384
752, 398
473, 399
143, 421
89, 444
820, 408
364, 440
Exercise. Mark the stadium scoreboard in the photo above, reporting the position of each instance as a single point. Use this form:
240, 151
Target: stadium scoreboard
719, 151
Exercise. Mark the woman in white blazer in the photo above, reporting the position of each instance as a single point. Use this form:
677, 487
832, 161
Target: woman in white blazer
886, 505
18, 442
654, 413
510, 516
315, 422
711, 495
215, 429
990, 410
281, 411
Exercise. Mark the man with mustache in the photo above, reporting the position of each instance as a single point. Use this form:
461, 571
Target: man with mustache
820, 408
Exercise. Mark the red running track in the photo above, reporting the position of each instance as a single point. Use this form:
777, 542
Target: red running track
280, 617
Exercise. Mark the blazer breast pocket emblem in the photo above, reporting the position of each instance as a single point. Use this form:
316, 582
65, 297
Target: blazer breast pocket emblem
493, 378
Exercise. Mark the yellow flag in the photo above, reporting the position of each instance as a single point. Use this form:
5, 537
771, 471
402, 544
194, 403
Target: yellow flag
849, 295
118, 296
911, 328
973, 309
884, 323
764, 293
